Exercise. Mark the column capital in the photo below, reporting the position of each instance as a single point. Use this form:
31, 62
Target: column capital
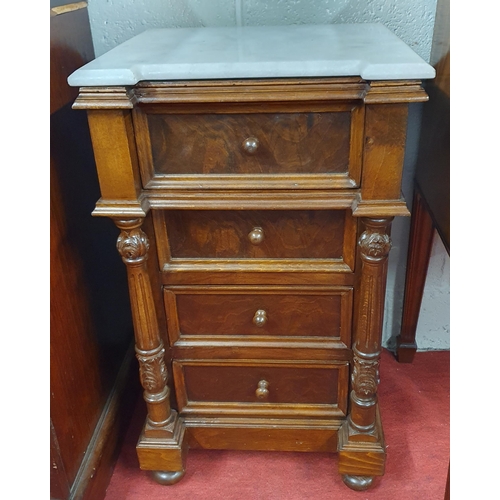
132, 243
374, 243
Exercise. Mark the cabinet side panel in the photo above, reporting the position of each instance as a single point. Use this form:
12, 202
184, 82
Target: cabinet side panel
385, 129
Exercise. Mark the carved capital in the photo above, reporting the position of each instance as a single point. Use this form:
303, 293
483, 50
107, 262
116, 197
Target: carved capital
374, 243
374, 246
132, 243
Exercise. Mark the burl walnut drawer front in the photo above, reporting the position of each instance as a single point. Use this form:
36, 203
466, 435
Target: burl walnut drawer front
232, 146
281, 312
261, 388
256, 234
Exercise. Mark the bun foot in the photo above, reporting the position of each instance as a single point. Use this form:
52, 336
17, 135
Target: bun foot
167, 478
357, 483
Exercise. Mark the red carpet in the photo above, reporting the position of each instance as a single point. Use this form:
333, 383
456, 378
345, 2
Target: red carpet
415, 408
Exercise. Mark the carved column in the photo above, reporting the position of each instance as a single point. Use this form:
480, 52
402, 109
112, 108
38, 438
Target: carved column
374, 246
133, 246
361, 443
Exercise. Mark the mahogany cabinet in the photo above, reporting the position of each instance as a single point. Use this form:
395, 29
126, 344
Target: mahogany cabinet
254, 221
92, 392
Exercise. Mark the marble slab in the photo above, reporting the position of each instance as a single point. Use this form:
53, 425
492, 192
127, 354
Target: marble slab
370, 51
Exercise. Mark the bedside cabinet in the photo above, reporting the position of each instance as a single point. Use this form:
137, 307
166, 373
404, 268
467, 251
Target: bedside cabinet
253, 174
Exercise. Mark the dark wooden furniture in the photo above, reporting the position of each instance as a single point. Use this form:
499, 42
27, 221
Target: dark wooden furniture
431, 198
257, 297
447, 490
91, 392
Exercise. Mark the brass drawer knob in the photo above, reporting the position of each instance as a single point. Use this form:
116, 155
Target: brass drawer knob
262, 391
250, 145
256, 236
260, 318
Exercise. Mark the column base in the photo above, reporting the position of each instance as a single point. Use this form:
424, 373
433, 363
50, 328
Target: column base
361, 456
166, 456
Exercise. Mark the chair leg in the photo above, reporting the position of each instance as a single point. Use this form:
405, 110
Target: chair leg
419, 252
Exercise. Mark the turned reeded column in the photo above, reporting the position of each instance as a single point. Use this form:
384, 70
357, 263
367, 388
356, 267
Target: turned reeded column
361, 441
374, 246
133, 246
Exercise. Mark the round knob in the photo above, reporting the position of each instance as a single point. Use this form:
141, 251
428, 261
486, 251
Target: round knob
262, 391
250, 145
260, 318
256, 236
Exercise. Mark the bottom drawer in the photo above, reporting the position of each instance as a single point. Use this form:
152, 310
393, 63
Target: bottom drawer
261, 388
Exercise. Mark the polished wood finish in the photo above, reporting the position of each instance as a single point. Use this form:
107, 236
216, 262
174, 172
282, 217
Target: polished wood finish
70, 47
385, 130
431, 197
420, 244
117, 172
269, 90
432, 176
90, 399
59, 486
239, 382
133, 245
375, 245
283, 435
300, 349
258, 143
77, 393
162, 422
276, 312
255, 219
283, 234
215, 154
190, 241
448, 485
361, 442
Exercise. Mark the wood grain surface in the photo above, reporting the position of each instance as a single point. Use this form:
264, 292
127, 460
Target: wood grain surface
288, 312
287, 143
306, 234
288, 384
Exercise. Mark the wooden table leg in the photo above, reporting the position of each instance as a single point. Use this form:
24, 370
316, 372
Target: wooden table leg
419, 252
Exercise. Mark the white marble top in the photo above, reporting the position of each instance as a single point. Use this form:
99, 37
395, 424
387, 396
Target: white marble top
371, 51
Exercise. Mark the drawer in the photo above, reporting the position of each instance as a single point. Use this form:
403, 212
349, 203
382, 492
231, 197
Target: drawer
256, 234
244, 146
228, 387
272, 311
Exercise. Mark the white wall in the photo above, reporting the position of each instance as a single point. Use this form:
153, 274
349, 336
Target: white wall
114, 21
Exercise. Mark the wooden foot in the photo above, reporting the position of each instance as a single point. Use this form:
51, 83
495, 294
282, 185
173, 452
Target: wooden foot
166, 456
358, 483
166, 478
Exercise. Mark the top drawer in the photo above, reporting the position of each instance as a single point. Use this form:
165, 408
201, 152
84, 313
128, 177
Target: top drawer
250, 146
